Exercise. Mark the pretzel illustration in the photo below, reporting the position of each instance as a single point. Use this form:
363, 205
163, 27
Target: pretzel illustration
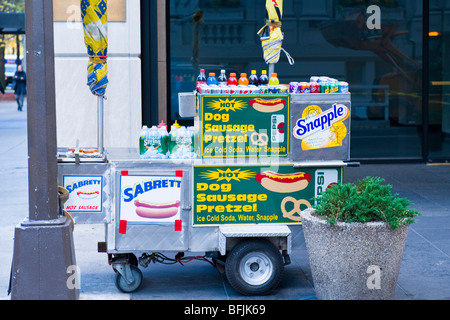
296, 209
259, 139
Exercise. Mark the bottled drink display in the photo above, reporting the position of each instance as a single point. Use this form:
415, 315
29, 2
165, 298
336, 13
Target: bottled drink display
273, 81
253, 79
142, 137
201, 79
212, 80
232, 81
157, 143
243, 80
222, 78
265, 85
263, 79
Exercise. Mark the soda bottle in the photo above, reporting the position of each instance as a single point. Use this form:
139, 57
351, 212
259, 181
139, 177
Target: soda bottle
253, 80
222, 78
243, 80
142, 137
211, 79
273, 81
263, 79
232, 80
201, 79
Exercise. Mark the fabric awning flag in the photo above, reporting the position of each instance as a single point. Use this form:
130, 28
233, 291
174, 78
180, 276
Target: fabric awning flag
271, 35
94, 15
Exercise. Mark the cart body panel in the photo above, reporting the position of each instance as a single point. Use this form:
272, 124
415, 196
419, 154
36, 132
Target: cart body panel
320, 127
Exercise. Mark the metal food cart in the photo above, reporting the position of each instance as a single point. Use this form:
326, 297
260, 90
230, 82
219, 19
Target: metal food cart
261, 159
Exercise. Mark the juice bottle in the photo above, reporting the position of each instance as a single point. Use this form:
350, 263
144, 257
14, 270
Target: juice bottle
232, 80
201, 79
243, 80
263, 79
211, 79
253, 80
222, 78
273, 81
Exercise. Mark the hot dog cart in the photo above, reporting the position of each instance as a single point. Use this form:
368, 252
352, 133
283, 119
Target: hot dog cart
260, 159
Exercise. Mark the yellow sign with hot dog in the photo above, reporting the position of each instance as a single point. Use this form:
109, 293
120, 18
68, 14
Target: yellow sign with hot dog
257, 194
243, 126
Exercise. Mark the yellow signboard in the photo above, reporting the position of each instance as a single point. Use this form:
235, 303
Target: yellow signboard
69, 11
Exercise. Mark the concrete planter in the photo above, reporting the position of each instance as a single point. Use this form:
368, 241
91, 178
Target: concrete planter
353, 261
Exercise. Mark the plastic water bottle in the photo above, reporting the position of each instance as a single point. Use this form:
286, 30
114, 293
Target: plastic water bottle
164, 141
191, 131
172, 136
154, 138
142, 137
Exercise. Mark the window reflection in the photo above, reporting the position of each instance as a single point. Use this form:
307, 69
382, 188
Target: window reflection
439, 74
383, 66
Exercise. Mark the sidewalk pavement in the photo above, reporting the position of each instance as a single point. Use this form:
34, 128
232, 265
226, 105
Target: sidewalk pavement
424, 274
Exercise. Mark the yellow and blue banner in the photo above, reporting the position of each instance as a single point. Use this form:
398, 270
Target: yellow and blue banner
94, 15
271, 35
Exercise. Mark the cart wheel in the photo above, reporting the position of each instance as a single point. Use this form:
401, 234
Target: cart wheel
132, 283
254, 267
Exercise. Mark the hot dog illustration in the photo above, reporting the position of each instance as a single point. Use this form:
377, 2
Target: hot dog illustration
283, 183
267, 106
156, 211
88, 195
84, 150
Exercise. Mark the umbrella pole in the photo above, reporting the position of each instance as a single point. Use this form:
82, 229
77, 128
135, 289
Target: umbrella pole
100, 124
271, 68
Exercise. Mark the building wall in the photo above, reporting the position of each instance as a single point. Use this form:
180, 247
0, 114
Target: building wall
76, 106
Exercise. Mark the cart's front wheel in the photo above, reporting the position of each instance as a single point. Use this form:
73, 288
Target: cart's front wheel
128, 278
254, 267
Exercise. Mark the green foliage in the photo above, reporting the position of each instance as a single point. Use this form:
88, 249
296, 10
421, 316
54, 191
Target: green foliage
366, 201
12, 5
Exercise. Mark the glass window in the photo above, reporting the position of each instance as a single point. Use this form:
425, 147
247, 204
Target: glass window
439, 75
379, 53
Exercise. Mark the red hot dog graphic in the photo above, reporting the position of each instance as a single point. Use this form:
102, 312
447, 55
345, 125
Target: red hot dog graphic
156, 211
283, 183
88, 195
267, 106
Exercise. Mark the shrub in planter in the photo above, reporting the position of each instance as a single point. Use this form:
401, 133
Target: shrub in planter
355, 238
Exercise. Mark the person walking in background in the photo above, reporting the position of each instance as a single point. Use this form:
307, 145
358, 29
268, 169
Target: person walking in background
1, 88
20, 86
